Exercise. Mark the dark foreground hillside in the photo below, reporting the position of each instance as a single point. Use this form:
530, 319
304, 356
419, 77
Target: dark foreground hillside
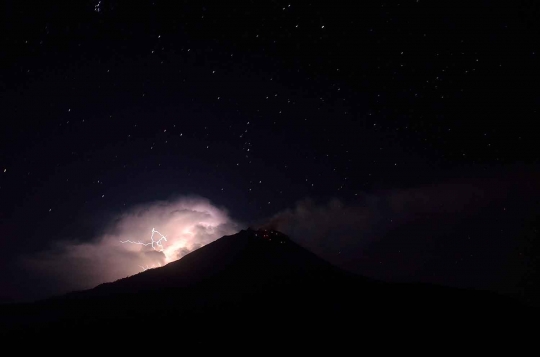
257, 290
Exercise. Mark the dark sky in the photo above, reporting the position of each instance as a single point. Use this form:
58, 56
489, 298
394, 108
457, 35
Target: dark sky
417, 112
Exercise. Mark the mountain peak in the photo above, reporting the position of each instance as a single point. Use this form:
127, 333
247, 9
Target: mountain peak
242, 260
267, 235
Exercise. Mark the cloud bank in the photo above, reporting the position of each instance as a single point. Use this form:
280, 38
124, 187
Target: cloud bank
188, 223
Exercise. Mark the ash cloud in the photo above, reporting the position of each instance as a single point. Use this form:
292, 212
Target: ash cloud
331, 228
394, 234
187, 222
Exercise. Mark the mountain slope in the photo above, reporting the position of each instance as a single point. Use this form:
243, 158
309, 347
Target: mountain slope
259, 283
244, 260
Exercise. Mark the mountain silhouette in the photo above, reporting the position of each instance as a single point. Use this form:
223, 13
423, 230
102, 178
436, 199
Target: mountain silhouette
258, 287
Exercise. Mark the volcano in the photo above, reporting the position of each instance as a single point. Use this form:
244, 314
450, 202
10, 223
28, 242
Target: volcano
258, 286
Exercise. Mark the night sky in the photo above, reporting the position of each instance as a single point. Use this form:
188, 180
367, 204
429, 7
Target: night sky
397, 139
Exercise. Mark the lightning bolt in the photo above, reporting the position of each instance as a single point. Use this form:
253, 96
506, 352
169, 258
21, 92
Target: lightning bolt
145, 268
153, 243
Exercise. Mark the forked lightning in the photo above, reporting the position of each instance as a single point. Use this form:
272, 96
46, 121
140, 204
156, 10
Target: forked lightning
153, 243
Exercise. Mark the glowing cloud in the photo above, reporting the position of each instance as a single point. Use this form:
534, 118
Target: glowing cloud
187, 224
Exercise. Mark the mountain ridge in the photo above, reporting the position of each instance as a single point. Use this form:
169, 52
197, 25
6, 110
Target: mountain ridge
214, 258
